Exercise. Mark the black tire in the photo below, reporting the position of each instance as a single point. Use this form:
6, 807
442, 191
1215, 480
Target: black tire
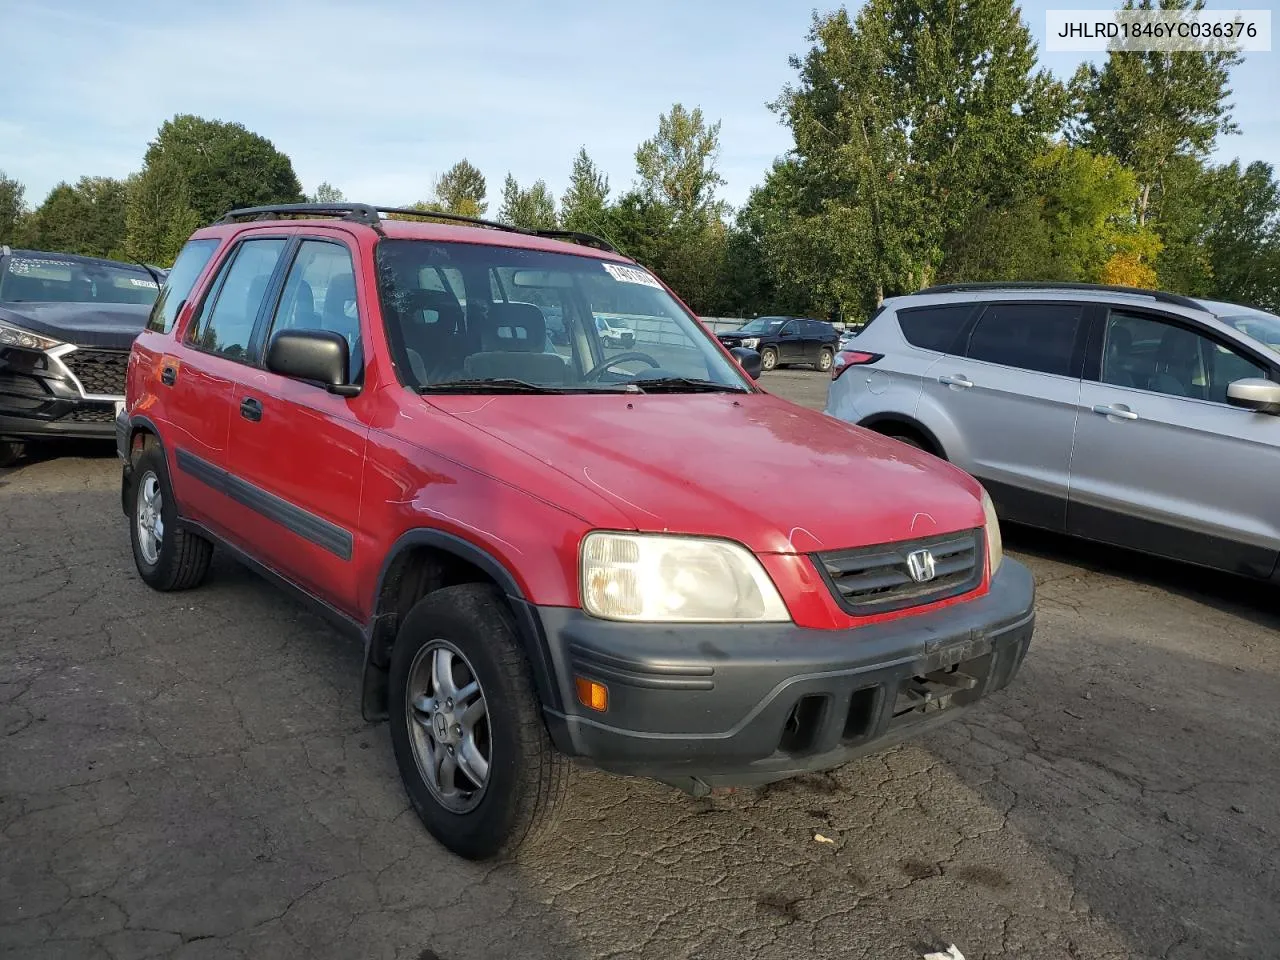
768, 359
527, 777
11, 452
825, 359
182, 560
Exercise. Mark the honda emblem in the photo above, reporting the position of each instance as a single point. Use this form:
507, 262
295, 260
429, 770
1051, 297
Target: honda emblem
921, 566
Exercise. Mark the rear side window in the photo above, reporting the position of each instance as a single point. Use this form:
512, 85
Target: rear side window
934, 328
191, 260
227, 324
1032, 336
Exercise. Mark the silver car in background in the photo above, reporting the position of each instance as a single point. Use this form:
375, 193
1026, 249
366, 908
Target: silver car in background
1138, 418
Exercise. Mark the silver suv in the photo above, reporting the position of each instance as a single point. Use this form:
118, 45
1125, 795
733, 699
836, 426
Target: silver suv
1133, 417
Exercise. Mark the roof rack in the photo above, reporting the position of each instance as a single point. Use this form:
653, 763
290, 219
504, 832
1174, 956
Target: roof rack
1158, 295
372, 216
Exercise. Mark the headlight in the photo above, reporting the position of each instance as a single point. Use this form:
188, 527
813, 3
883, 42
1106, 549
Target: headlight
995, 545
750, 343
660, 578
11, 336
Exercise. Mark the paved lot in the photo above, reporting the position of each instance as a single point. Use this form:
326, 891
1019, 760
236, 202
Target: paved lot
187, 776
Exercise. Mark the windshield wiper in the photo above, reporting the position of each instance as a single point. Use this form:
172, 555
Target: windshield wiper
497, 385
685, 385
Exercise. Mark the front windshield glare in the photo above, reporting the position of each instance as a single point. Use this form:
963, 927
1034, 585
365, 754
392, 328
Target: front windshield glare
1263, 327
473, 318
51, 279
762, 325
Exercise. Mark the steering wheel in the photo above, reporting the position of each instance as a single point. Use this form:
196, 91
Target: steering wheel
593, 374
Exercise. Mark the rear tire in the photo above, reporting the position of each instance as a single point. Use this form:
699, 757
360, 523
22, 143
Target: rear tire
11, 452
168, 555
825, 359
768, 359
525, 779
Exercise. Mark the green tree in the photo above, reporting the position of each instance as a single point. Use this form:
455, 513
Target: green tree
533, 209
583, 205
461, 190
327, 193
1147, 108
12, 208
194, 171
677, 167
1243, 244
907, 120
88, 218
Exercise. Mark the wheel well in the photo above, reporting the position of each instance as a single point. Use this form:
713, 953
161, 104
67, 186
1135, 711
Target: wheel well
901, 427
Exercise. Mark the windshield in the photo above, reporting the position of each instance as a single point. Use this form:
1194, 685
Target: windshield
49, 278
1263, 327
763, 325
467, 317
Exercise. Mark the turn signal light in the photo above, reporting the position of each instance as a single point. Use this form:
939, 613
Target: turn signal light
852, 358
592, 694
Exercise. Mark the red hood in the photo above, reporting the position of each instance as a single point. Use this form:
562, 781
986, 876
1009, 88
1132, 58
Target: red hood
775, 476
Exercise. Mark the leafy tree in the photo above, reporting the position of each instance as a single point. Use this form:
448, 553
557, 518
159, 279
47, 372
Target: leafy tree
1013, 242
908, 119
1243, 244
88, 218
1146, 108
583, 205
195, 171
327, 193
678, 165
533, 209
12, 208
461, 189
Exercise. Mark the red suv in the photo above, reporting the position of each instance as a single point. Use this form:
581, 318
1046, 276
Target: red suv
631, 555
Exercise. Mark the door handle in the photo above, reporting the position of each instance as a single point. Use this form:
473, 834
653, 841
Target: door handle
251, 409
959, 380
1119, 410
168, 375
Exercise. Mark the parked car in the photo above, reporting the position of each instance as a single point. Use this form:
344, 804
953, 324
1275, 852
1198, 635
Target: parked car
782, 341
66, 323
1133, 417
614, 332
605, 555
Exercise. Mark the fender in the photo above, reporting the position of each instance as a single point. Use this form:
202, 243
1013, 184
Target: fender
137, 423
528, 625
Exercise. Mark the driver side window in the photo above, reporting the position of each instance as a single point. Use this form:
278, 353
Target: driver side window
1150, 354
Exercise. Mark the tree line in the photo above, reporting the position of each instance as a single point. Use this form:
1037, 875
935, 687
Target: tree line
929, 146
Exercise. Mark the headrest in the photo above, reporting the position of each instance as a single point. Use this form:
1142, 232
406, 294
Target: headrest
341, 291
441, 302
516, 328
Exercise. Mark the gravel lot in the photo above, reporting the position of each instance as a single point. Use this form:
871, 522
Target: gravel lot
187, 776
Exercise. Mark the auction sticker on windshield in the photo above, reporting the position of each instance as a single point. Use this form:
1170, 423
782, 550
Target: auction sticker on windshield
625, 274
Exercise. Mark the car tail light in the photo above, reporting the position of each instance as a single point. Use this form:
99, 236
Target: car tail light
852, 358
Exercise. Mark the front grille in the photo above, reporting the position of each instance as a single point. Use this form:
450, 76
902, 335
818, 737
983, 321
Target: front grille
99, 371
878, 579
92, 415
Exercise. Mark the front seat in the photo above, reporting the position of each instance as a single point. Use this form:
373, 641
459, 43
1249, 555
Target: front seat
513, 342
1177, 362
341, 292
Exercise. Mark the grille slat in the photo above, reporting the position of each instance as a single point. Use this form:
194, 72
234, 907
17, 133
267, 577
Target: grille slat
100, 372
877, 579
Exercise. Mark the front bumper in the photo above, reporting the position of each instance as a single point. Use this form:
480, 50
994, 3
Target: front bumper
40, 399
716, 705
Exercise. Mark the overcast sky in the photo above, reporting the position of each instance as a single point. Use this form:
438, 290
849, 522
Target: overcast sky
379, 98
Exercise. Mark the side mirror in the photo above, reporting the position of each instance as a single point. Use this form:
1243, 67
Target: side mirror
749, 360
317, 355
1254, 393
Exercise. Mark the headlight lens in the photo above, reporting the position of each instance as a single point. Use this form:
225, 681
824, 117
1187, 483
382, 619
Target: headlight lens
660, 578
751, 343
995, 545
11, 336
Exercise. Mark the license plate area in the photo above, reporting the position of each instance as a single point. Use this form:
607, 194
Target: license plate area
946, 679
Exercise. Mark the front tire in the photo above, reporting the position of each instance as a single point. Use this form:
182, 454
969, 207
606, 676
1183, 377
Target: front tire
768, 359
168, 556
466, 726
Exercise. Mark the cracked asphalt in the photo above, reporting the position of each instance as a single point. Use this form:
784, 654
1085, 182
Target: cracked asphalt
187, 776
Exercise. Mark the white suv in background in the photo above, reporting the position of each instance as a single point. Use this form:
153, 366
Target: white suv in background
1133, 417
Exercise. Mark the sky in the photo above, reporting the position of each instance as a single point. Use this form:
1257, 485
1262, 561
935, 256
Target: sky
380, 98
